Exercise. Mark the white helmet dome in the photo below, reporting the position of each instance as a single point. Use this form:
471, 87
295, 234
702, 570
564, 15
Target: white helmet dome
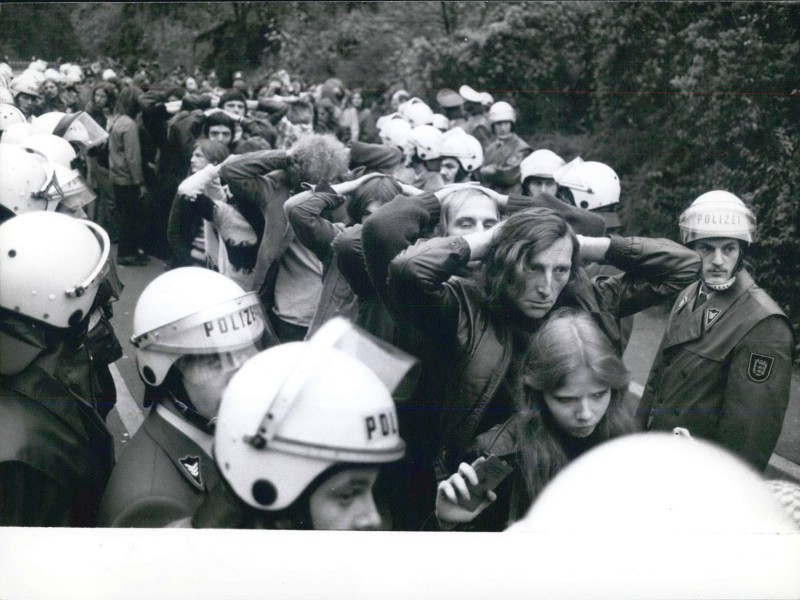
16, 133
486, 99
470, 95
417, 113
26, 181
25, 84
294, 411
38, 65
57, 150
395, 131
465, 148
51, 266
192, 310
501, 111
540, 163
441, 122
108, 74
593, 184
6, 71
717, 214
10, 115
428, 141
74, 74
47, 122
56, 76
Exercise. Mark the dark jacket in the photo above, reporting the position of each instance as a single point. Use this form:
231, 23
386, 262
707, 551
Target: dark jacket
317, 234
424, 291
505, 155
162, 476
260, 179
723, 371
55, 453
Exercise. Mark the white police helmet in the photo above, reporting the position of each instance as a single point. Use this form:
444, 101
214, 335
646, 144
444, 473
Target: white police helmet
51, 266
717, 214
593, 184
192, 311
540, 163
466, 149
296, 410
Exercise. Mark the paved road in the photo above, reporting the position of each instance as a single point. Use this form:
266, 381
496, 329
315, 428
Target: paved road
648, 329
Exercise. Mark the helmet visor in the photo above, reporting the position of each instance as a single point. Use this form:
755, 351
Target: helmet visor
75, 192
717, 220
225, 328
82, 130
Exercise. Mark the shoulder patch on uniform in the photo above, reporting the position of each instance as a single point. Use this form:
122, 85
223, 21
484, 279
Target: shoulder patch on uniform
711, 314
760, 367
191, 464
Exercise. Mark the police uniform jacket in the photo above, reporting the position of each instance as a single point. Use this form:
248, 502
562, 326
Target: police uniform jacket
55, 452
723, 370
163, 475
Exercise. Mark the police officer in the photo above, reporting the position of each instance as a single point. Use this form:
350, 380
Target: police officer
723, 370
29, 182
302, 432
193, 328
55, 451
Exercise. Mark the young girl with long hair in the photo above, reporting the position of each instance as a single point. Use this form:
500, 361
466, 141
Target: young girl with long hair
569, 392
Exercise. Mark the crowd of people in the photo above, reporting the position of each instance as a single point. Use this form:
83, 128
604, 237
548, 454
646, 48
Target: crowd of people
370, 319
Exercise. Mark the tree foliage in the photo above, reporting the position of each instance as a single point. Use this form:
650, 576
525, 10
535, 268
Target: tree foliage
680, 98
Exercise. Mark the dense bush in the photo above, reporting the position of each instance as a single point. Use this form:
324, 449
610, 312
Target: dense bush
679, 97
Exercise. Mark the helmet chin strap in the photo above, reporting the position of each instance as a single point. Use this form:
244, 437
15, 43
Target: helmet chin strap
190, 414
719, 287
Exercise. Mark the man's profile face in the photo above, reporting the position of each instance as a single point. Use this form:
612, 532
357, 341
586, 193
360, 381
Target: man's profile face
448, 169
546, 273
25, 103
345, 501
220, 133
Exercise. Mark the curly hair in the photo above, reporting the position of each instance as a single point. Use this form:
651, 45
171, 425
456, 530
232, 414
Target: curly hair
316, 158
523, 235
567, 341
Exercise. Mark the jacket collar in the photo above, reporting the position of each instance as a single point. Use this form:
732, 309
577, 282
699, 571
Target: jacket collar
687, 324
188, 448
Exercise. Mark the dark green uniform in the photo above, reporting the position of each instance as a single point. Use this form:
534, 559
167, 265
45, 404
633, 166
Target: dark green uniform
162, 476
723, 371
55, 453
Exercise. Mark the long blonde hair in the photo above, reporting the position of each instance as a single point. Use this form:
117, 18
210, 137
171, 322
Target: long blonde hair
568, 340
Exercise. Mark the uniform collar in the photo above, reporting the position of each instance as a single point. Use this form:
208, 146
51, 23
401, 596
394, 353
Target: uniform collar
201, 438
686, 325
